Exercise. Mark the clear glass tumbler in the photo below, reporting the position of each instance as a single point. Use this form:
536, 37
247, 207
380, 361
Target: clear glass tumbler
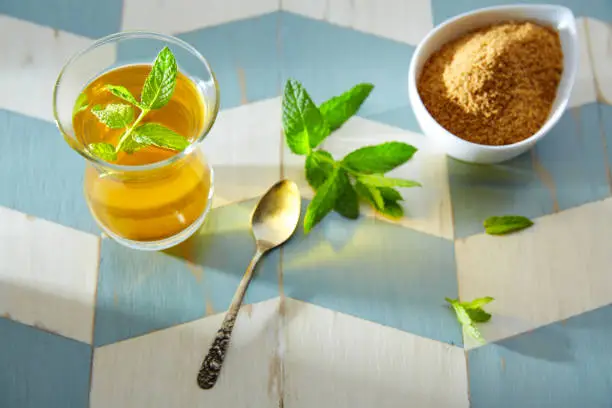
149, 206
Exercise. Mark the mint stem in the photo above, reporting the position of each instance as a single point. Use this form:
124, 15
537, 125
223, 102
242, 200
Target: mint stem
327, 159
125, 136
339, 164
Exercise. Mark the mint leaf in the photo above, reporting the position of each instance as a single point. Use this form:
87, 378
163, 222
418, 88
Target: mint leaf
130, 145
105, 151
378, 180
390, 194
380, 158
374, 195
478, 315
154, 134
318, 167
340, 108
469, 313
80, 104
160, 83
303, 124
123, 93
465, 320
392, 209
114, 115
477, 303
506, 224
371, 187
323, 202
370, 194
347, 203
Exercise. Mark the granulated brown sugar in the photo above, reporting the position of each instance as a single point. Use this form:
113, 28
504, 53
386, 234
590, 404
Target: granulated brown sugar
494, 86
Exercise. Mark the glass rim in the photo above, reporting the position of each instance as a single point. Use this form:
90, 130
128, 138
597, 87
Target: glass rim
135, 34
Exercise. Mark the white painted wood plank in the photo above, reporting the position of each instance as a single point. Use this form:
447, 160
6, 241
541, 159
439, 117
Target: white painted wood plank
48, 275
158, 370
556, 269
30, 69
244, 150
599, 35
179, 16
400, 20
336, 360
584, 88
428, 208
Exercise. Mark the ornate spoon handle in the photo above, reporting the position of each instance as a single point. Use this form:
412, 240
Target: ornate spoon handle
211, 366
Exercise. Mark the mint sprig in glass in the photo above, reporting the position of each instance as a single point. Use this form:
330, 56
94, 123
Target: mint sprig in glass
156, 93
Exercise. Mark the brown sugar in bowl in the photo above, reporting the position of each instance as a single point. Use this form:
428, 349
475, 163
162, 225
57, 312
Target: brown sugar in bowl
559, 19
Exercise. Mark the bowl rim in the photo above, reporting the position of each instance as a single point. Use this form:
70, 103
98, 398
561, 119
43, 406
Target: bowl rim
550, 122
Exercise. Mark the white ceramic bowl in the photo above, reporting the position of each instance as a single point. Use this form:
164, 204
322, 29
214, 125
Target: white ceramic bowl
560, 18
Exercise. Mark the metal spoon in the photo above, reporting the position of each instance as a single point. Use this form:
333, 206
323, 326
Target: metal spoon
273, 221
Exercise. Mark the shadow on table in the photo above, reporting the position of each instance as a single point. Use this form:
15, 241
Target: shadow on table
556, 342
225, 242
548, 343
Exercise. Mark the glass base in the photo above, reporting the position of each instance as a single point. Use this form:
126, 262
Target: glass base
166, 242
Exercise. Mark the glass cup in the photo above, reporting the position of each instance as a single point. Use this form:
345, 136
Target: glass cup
151, 206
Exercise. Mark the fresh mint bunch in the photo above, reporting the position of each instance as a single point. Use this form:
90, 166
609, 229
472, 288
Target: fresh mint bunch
156, 93
472, 312
340, 184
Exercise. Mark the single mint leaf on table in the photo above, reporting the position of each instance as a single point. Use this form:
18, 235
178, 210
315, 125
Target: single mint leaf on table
80, 104
154, 134
506, 224
379, 158
347, 203
303, 124
340, 108
318, 166
323, 201
114, 115
105, 151
161, 81
123, 93
378, 180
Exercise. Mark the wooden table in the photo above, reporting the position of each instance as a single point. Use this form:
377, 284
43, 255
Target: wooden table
351, 315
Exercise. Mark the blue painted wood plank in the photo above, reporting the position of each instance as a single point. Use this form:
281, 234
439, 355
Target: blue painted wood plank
329, 60
40, 174
42, 370
87, 18
243, 55
444, 9
402, 117
563, 365
376, 271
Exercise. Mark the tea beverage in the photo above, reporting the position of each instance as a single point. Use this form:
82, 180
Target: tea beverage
157, 202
